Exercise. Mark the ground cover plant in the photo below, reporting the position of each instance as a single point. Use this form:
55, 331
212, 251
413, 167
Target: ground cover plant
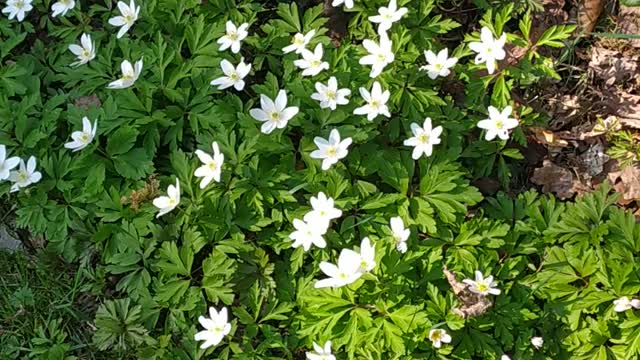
349, 179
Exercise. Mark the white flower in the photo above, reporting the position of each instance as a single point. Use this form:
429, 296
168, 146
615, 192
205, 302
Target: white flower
129, 75
347, 271
7, 164
211, 165
128, 16
623, 304
376, 102
323, 210
439, 336
400, 234
367, 255
216, 327
299, 42
83, 138
489, 49
168, 203
85, 52
274, 115
61, 7
438, 65
25, 175
481, 285
233, 37
331, 150
380, 55
321, 353
17, 8
505, 357
330, 96
423, 138
498, 123
388, 15
233, 75
308, 234
347, 3
311, 62
537, 342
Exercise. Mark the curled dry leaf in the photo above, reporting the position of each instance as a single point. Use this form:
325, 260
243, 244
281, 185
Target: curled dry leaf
472, 303
611, 66
554, 179
588, 13
629, 23
627, 183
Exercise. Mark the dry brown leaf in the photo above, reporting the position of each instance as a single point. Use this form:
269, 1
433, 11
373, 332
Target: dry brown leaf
627, 183
588, 13
547, 137
555, 179
85, 102
611, 66
472, 304
629, 23
625, 106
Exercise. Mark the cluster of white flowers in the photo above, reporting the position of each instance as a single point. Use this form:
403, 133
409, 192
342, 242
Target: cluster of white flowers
21, 178
315, 223
620, 305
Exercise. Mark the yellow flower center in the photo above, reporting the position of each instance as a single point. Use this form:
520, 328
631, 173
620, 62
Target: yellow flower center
275, 116
363, 264
316, 63
381, 57
438, 67
84, 137
20, 4
233, 36
423, 138
482, 287
298, 39
375, 104
129, 18
234, 76
172, 201
436, 335
331, 95
332, 151
213, 165
22, 177
499, 124
342, 276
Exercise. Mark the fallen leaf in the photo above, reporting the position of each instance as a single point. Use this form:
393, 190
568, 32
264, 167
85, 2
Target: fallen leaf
588, 13
554, 179
85, 102
472, 304
628, 22
627, 183
547, 137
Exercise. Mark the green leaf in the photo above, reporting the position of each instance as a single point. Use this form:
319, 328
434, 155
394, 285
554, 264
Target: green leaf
121, 140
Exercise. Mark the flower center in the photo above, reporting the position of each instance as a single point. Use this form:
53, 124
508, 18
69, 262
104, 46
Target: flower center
234, 76
20, 4
233, 36
375, 104
86, 53
275, 116
499, 124
482, 287
127, 77
423, 138
316, 63
66, 2
128, 18
436, 335
217, 329
323, 213
213, 165
298, 39
363, 264
172, 202
332, 151
381, 58
438, 67
331, 95
22, 177
84, 138
342, 276
387, 16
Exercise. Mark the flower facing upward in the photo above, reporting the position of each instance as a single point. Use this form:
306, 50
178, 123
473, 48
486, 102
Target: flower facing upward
438, 65
498, 124
17, 9
537, 342
211, 165
274, 115
400, 234
216, 327
308, 234
61, 7
438, 337
482, 286
85, 52
311, 62
387, 16
380, 55
129, 75
376, 102
346, 272
423, 139
169, 202
347, 3
299, 42
128, 16
25, 175
489, 49
323, 210
81, 139
331, 150
232, 39
329, 95
7, 164
233, 76
320, 352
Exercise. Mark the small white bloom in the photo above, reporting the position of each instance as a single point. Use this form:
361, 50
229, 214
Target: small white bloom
81, 139
537, 342
211, 165
17, 9
438, 65
505, 357
85, 52
380, 55
299, 42
489, 49
423, 139
481, 285
232, 39
635, 303
321, 353
438, 337
216, 327
387, 16
311, 62
376, 102
330, 96
330, 150
169, 202
274, 114
347, 271
7, 164
128, 16
308, 234
129, 75
61, 7
498, 124
25, 175
323, 210
624, 304
400, 234
347, 3
367, 255
233, 75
